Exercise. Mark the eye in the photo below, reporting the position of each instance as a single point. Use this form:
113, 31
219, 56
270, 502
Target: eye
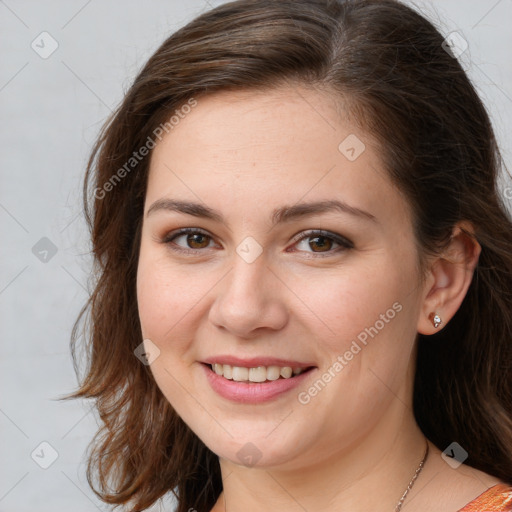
192, 239
321, 241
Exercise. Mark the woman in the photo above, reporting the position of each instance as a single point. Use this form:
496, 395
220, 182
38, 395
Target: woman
304, 267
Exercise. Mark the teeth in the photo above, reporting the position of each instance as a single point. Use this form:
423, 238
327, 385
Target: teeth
240, 373
273, 372
286, 372
258, 374
227, 371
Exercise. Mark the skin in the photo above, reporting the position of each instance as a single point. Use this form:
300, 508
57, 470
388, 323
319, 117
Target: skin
244, 154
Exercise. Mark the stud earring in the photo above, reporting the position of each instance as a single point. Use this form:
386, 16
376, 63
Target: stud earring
435, 319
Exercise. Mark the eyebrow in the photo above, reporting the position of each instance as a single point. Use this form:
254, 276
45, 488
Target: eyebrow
279, 215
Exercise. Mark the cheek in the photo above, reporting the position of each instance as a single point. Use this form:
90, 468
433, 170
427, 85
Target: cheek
365, 322
169, 305
364, 319
173, 302
166, 297
349, 302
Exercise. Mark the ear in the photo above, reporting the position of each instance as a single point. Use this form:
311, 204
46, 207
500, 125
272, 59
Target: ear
449, 277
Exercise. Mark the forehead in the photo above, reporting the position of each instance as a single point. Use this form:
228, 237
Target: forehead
268, 148
258, 120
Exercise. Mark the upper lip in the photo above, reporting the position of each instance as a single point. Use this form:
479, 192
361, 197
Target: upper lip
254, 362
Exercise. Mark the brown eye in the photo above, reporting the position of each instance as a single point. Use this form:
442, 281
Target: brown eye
322, 243
319, 241
188, 239
198, 240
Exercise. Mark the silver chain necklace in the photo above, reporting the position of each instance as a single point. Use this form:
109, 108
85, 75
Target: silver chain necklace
411, 483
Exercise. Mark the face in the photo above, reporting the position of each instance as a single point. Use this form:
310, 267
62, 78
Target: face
249, 272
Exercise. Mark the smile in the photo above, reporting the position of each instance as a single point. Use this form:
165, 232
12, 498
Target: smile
254, 383
256, 374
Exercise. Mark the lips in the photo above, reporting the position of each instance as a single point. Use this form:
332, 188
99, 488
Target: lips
254, 380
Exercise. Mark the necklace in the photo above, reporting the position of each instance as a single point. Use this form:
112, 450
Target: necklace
413, 479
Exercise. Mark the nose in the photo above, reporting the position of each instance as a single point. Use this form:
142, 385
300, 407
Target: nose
249, 300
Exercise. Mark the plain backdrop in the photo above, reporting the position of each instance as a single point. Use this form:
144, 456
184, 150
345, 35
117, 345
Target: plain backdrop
51, 111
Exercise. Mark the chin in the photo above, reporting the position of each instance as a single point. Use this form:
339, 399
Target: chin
257, 448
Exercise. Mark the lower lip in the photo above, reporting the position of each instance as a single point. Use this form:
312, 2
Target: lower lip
255, 393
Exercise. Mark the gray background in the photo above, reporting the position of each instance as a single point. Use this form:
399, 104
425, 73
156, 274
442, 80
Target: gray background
51, 112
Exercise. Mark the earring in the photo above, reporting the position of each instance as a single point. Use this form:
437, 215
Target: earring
435, 319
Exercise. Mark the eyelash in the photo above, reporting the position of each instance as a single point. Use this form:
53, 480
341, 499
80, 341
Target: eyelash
343, 242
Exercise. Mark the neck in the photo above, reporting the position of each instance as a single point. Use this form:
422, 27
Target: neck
372, 474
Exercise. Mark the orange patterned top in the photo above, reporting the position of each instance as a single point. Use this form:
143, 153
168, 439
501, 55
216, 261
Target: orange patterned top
495, 499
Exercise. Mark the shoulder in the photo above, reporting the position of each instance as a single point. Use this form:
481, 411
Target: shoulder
497, 498
461, 489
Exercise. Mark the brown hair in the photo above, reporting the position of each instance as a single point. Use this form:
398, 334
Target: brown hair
441, 151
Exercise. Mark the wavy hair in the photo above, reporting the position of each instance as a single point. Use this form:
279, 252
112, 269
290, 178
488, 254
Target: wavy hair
391, 65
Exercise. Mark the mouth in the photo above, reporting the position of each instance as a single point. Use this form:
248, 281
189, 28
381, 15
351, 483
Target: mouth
257, 374
257, 380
